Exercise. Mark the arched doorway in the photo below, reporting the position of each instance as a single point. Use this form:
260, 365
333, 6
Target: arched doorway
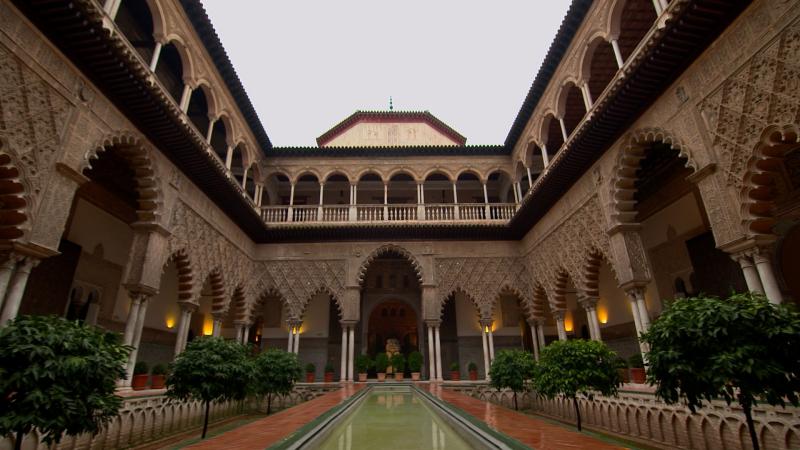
391, 306
392, 319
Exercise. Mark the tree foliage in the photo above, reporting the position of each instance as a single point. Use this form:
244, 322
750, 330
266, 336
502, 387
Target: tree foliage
742, 348
276, 372
58, 376
576, 367
510, 369
211, 369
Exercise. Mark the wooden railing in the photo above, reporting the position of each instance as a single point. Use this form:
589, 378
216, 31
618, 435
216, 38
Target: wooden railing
430, 212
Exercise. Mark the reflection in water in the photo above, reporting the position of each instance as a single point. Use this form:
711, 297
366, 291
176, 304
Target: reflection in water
393, 420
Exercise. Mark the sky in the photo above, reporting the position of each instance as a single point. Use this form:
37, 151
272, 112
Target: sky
307, 65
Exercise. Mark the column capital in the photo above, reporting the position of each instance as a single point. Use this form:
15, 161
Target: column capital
588, 302
486, 322
188, 306
559, 314
139, 294
636, 292
348, 323
433, 323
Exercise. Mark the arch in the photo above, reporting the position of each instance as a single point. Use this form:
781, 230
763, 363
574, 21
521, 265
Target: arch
14, 196
400, 171
470, 170
200, 108
306, 172
480, 310
133, 151
560, 290
629, 22
369, 171
186, 285
390, 249
539, 303
219, 300
439, 171
334, 172
633, 151
763, 180
221, 137
551, 134
172, 68
599, 65
330, 293
590, 272
570, 106
140, 21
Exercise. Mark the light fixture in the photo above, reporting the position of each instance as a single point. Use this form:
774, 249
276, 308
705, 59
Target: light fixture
486, 329
170, 323
208, 326
602, 315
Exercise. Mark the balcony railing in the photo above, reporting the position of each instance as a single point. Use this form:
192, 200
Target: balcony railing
463, 212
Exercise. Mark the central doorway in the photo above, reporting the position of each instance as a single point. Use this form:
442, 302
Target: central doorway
392, 319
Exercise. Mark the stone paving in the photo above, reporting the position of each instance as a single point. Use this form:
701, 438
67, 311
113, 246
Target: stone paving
531, 431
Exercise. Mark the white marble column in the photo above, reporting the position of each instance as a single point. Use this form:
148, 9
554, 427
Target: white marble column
216, 330
589, 305
540, 331
296, 349
617, 53
535, 340
431, 356
351, 344
637, 320
438, 345
763, 263
562, 332
563, 128
136, 335
587, 96
751, 277
290, 344
485, 340
16, 289
545, 156
183, 329
6, 271
246, 334
491, 344
186, 97
343, 366
239, 332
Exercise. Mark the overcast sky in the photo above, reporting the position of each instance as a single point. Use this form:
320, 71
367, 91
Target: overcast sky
307, 65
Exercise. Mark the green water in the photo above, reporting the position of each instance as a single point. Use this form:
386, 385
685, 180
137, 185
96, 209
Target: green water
393, 420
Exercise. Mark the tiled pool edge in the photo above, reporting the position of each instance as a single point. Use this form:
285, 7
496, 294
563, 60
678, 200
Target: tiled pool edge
454, 416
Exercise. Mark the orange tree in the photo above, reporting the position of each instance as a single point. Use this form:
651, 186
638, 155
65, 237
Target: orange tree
741, 348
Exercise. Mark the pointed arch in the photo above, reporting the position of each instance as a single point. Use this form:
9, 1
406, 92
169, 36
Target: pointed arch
634, 149
132, 149
390, 249
187, 290
14, 196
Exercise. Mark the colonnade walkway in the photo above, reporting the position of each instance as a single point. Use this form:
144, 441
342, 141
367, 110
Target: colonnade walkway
535, 433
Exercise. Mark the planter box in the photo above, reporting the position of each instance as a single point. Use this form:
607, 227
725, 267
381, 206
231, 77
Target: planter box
157, 382
398, 377
638, 375
473, 375
310, 377
455, 376
362, 377
329, 377
381, 376
414, 376
139, 382
623, 375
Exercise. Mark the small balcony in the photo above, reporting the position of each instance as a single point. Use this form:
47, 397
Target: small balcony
444, 213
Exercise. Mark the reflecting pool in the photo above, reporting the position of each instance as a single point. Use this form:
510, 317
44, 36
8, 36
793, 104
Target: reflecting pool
394, 420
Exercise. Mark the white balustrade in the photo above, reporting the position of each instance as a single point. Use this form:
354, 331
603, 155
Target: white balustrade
431, 212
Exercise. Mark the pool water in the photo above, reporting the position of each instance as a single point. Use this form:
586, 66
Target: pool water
393, 420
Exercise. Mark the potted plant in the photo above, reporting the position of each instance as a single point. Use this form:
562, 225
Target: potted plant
140, 376
159, 373
329, 372
622, 369
455, 374
310, 369
381, 363
637, 368
472, 368
398, 365
415, 364
363, 364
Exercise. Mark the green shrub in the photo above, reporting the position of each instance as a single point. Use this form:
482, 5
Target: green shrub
311, 368
363, 363
329, 367
415, 361
159, 369
510, 369
381, 362
398, 362
472, 367
454, 367
58, 376
140, 368
276, 372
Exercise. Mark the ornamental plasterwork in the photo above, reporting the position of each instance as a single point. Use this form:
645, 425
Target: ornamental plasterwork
568, 247
32, 120
482, 279
297, 281
761, 93
207, 248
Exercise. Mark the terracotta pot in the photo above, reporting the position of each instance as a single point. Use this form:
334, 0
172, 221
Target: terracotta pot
362, 377
309, 377
455, 375
381, 376
638, 375
157, 382
473, 375
329, 377
623, 375
414, 376
398, 376
139, 382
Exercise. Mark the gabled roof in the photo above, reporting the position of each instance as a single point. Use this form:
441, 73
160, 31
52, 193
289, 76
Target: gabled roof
391, 116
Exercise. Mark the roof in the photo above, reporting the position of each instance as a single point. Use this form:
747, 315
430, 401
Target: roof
390, 116
427, 150
208, 35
